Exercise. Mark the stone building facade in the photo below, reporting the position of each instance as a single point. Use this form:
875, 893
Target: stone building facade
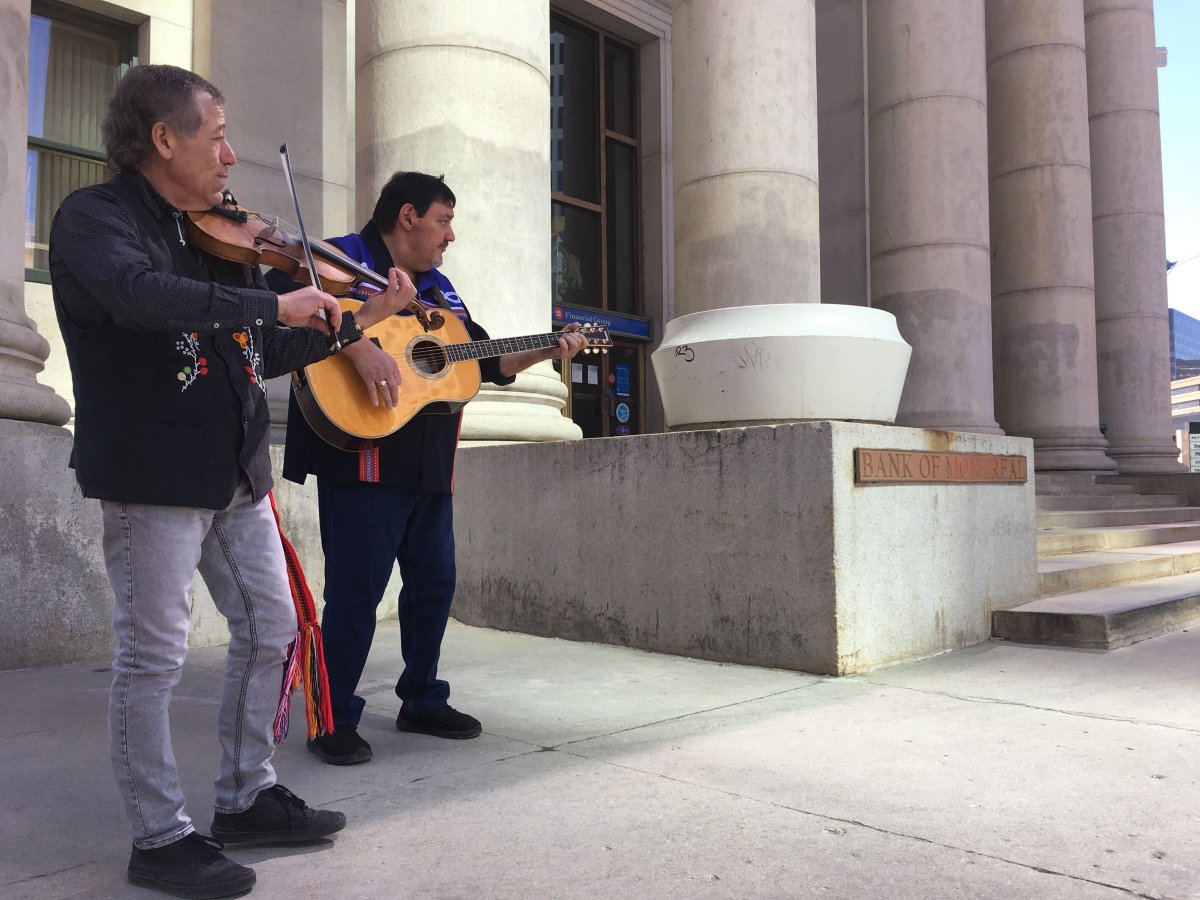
988, 171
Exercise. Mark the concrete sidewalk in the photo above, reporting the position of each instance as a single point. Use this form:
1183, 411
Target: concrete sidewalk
1002, 771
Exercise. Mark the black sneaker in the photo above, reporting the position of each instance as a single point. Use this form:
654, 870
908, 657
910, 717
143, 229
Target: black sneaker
446, 722
277, 817
342, 748
192, 866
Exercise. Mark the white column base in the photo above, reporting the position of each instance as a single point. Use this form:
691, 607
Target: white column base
782, 362
530, 409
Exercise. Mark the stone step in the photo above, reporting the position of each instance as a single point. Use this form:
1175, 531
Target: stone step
1057, 489
1100, 518
1116, 537
1107, 501
1042, 480
1071, 572
1105, 618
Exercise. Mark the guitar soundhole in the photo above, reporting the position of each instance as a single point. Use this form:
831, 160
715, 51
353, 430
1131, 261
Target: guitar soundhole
428, 357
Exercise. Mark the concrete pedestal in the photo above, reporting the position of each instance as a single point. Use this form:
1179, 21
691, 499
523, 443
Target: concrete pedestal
54, 593
55, 599
749, 545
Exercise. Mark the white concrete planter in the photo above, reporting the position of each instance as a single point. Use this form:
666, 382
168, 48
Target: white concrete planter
779, 363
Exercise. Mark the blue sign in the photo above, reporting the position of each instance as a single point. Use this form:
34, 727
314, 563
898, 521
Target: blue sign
622, 379
625, 326
622, 413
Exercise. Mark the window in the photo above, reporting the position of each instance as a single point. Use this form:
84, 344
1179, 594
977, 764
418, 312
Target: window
75, 61
594, 180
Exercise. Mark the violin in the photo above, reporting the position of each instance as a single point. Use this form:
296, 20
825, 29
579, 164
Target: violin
232, 232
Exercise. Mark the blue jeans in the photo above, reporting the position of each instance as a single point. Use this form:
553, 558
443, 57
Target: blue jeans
365, 530
152, 554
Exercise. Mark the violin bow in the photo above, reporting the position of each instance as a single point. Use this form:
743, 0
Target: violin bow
308, 255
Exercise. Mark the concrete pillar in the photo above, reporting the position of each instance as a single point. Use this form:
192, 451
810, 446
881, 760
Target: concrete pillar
54, 599
842, 151
747, 228
927, 102
1043, 303
312, 117
463, 89
22, 350
1132, 331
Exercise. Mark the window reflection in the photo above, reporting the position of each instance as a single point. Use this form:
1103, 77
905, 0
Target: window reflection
574, 133
575, 255
74, 66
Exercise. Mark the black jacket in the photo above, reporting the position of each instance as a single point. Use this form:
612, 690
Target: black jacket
169, 350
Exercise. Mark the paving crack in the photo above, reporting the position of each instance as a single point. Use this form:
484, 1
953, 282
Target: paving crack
682, 716
1066, 712
878, 829
51, 874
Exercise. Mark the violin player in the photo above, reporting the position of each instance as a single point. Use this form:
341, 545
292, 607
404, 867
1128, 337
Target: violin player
169, 349
389, 501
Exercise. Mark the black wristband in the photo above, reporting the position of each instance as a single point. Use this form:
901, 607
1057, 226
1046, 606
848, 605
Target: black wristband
350, 332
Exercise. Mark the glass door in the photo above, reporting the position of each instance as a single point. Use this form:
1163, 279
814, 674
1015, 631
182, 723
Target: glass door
606, 390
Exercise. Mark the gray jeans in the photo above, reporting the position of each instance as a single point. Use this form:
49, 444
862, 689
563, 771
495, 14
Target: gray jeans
152, 554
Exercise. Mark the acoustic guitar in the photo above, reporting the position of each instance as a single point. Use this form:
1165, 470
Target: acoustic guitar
438, 368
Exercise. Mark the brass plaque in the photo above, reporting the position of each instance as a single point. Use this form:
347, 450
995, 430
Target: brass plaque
938, 467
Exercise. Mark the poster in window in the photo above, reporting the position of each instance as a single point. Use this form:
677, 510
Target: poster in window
622, 379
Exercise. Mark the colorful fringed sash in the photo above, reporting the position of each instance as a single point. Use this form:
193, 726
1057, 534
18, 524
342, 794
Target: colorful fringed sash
306, 656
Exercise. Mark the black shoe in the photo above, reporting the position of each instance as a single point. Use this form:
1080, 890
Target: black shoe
277, 817
192, 866
342, 748
446, 722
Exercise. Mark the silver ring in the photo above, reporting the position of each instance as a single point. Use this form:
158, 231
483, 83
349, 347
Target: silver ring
382, 383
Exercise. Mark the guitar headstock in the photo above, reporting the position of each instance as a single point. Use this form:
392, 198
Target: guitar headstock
597, 337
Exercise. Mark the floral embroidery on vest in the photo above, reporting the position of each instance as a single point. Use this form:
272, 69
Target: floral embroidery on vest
189, 346
246, 341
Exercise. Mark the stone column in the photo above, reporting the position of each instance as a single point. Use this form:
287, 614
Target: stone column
311, 117
463, 89
747, 226
1043, 304
1132, 331
22, 349
842, 151
54, 599
927, 102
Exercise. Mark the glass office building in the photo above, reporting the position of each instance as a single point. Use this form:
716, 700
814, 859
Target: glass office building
1185, 346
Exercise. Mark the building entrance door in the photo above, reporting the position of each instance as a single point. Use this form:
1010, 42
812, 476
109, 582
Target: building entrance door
606, 390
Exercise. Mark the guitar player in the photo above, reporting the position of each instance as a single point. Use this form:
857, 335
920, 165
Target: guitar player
390, 500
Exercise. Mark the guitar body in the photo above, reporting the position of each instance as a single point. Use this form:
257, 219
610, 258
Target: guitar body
335, 401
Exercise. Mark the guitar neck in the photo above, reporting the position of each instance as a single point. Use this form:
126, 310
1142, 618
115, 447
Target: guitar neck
489, 349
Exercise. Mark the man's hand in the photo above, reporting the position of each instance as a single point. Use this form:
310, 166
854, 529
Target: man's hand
379, 372
303, 308
570, 342
399, 294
